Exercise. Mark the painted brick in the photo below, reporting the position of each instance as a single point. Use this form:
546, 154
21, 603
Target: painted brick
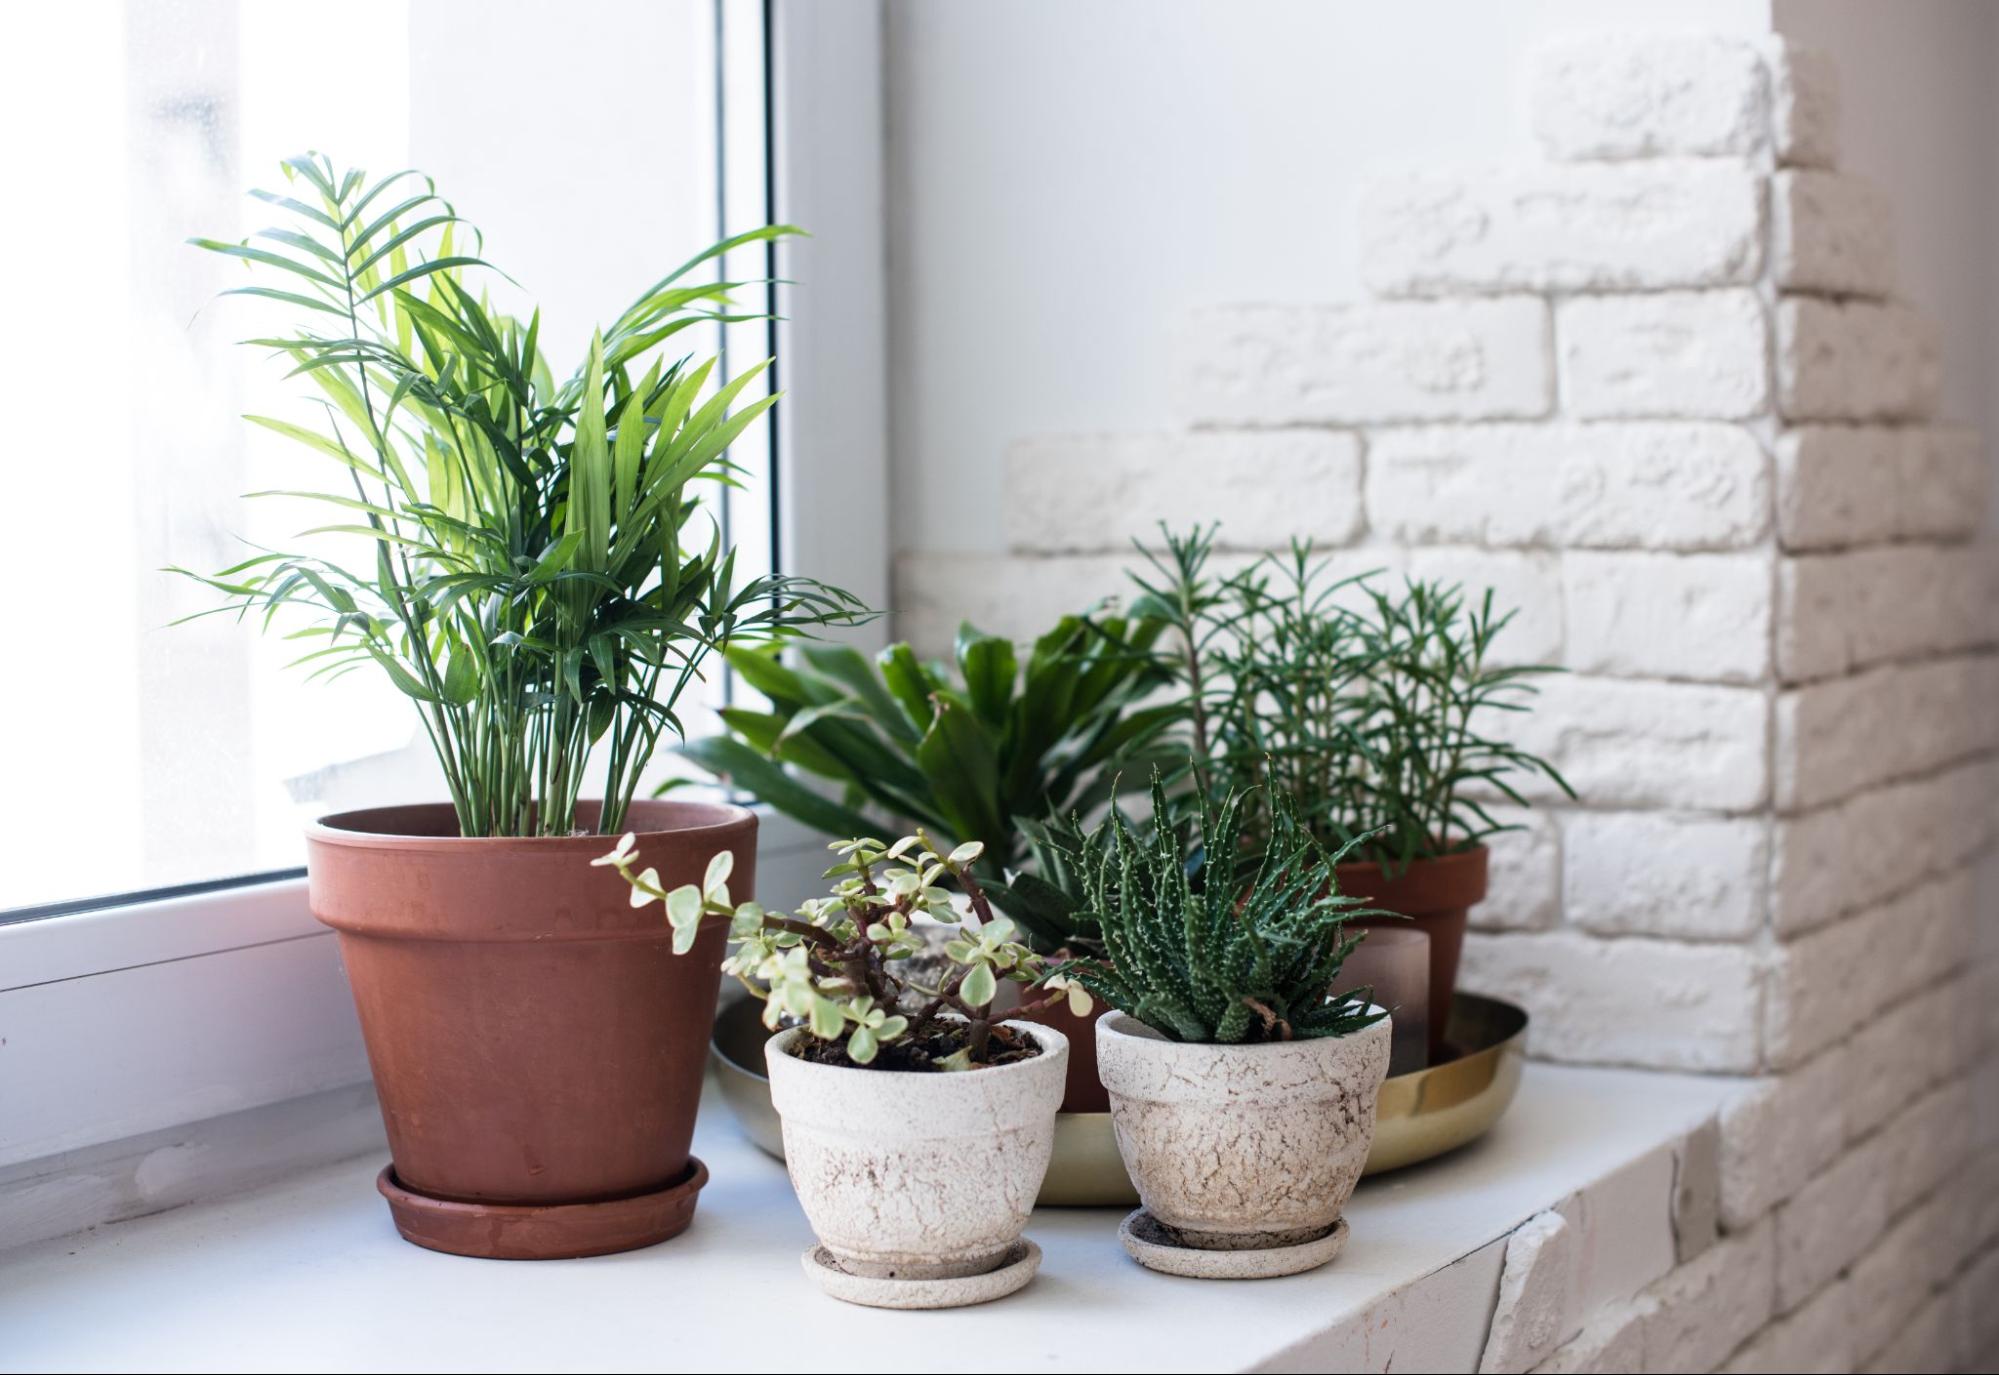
1021, 597
1626, 743
1862, 484
1708, 1308
1944, 493
1974, 1316
1924, 1145
1703, 616
1697, 1191
1830, 233
1856, 360
1612, 1342
1897, 1274
1839, 612
1536, 1309
1823, 984
1664, 354
1831, 1222
1927, 1341
1606, 227
1839, 737
1649, 1002
1100, 493
1895, 1057
1819, 1337
1355, 364
1528, 584
1660, 874
1804, 105
1524, 871
1776, 1134
1626, 1221
1612, 96
1864, 850
1646, 485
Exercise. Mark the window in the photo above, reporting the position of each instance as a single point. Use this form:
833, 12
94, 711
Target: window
594, 143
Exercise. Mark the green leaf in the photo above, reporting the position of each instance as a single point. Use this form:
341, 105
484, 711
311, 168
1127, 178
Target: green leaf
988, 665
739, 764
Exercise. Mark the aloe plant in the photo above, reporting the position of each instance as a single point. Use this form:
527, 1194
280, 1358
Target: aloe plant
1220, 954
981, 750
538, 580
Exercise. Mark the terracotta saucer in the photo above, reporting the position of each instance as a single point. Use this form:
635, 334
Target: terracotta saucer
550, 1231
1012, 1276
1152, 1246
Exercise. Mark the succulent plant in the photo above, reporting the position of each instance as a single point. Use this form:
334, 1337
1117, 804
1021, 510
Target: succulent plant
1206, 951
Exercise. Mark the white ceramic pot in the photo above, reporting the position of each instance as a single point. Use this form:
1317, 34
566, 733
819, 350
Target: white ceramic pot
1243, 1146
918, 1176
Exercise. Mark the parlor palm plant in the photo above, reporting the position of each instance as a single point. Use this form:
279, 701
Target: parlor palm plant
539, 579
537, 575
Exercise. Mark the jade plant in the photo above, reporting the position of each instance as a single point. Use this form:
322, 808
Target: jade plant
535, 570
856, 970
1367, 709
982, 750
1201, 953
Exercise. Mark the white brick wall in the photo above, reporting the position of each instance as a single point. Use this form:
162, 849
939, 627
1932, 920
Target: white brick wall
1100, 493
1698, 616
1657, 391
1657, 485
1830, 233
1857, 360
1605, 227
1841, 485
1664, 353
1351, 365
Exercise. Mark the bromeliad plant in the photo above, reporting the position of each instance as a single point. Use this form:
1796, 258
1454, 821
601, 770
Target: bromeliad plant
1201, 957
849, 966
983, 750
537, 577
1366, 709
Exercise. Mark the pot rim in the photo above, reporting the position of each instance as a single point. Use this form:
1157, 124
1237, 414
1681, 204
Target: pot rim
1054, 1046
1455, 858
1112, 1024
349, 828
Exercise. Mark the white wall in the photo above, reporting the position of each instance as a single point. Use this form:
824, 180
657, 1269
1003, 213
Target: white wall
1921, 121
1064, 179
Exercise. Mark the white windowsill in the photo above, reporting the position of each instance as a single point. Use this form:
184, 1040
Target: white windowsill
309, 1273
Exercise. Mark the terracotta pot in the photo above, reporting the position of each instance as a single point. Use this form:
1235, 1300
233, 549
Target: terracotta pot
537, 1047
915, 1175
1437, 895
1237, 1147
1084, 1091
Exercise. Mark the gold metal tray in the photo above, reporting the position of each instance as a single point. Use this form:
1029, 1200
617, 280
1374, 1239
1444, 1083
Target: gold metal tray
1421, 1116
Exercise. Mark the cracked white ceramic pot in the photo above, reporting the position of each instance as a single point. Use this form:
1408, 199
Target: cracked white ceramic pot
918, 1176
1242, 1146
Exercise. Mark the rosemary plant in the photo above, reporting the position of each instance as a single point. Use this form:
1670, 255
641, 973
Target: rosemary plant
1200, 955
1368, 709
846, 966
538, 578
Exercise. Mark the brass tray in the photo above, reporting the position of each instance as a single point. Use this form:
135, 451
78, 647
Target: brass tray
1421, 1115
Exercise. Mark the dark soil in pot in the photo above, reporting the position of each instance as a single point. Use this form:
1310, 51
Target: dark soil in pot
536, 1045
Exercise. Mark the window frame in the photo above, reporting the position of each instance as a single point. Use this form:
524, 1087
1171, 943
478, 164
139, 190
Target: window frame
125, 1015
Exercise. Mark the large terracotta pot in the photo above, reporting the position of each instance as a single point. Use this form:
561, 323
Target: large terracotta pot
537, 1047
1437, 895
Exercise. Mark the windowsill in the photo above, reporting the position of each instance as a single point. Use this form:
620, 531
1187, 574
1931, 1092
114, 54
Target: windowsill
309, 1271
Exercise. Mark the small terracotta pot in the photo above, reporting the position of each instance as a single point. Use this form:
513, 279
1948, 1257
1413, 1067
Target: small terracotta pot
1084, 1091
1239, 1147
918, 1176
1437, 895
537, 1047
